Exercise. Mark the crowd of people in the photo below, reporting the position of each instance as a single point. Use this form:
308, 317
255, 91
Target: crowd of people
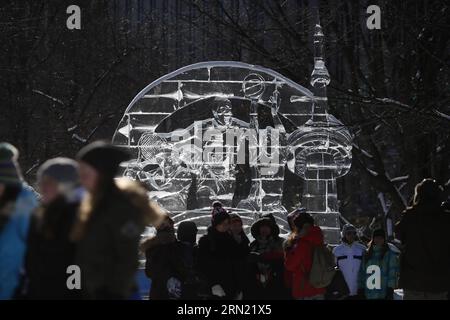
82, 215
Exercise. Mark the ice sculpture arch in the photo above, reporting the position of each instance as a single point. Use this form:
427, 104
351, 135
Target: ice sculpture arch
212, 64
189, 90
220, 96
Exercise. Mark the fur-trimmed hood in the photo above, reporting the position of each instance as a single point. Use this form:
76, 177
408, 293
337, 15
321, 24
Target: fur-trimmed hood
138, 196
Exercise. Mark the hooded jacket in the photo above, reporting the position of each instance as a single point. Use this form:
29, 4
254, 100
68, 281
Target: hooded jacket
164, 260
13, 242
266, 266
298, 262
388, 267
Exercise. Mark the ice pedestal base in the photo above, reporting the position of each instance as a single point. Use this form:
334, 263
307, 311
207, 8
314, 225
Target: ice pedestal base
330, 225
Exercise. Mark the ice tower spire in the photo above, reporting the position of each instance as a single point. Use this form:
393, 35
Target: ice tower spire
322, 146
320, 78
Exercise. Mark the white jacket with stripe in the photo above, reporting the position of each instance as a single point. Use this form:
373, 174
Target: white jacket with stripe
348, 259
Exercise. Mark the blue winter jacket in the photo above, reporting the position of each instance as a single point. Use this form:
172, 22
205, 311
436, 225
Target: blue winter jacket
13, 238
388, 275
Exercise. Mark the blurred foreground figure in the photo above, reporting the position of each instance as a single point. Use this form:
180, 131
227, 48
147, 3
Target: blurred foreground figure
425, 258
50, 250
17, 201
112, 217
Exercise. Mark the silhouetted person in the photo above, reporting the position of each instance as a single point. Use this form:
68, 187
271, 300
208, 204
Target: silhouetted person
164, 264
187, 236
425, 258
218, 259
266, 280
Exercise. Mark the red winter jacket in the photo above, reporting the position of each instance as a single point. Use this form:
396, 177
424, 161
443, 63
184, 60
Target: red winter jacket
299, 262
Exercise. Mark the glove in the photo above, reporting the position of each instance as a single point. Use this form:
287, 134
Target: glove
389, 294
174, 288
217, 290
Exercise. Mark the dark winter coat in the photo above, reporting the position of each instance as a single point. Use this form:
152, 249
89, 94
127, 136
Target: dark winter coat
425, 257
108, 250
242, 252
193, 288
266, 265
220, 262
50, 252
164, 260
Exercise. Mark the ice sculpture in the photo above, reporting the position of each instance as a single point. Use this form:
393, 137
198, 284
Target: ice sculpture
210, 131
226, 131
321, 151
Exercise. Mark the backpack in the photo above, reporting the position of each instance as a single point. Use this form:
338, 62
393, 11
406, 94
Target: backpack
338, 288
323, 267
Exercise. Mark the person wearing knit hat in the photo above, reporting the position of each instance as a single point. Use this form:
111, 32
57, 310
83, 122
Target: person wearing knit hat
348, 230
349, 255
59, 177
59, 186
9, 169
17, 202
112, 218
379, 256
218, 217
217, 204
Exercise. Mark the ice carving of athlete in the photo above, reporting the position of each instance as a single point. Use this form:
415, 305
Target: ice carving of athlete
221, 140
